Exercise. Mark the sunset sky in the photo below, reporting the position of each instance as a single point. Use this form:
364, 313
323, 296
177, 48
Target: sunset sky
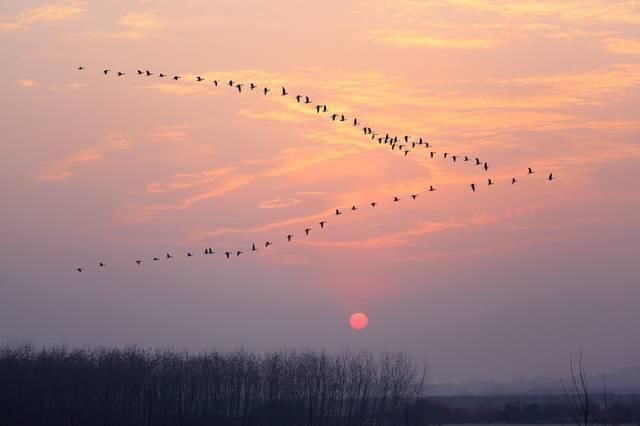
497, 284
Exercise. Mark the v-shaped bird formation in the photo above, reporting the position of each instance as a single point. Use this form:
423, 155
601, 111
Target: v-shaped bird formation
403, 144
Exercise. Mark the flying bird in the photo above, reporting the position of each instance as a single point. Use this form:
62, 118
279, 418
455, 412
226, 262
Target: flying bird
198, 78
120, 73
306, 231
414, 196
551, 176
106, 72
307, 100
431, 188
373, 204
138, 262
238, 253
432, 154
322, 224
252, 86
80, 269
473, 187
101, 264
267, 243
155, 259
227, 253
176, 77
298, 98
489, 182
140, 72
149, 74
239, 87
396, 199
189, 255
530, 171
230, 83
478, 161
289, 237
80, 68
284, 92
215, 83
169, 256
486, 166
265, 90
338, 212
162, 75
513, 181
253, 247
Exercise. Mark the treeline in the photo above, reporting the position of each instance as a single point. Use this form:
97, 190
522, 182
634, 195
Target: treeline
132, 386
523, 409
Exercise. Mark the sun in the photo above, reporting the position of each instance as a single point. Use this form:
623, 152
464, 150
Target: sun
358, 321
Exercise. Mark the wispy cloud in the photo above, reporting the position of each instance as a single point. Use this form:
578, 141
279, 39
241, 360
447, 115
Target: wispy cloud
131, 26
64, 168
418, 39
278, 203
46, 13
26, 83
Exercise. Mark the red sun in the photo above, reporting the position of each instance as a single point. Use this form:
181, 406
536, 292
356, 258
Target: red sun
358, 321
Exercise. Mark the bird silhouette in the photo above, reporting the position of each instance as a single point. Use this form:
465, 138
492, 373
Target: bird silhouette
454, 158
298, 98
176, 77
253, 247
431, 188
140, 72
138, 262
489, 182
80, 68
284, 92
396, 199
473, 187
342, 118
445, 154
432, 154
373, 204
80, 269
230, 83
466, 158
189, 255
354, 208
551, 176
414, 196
149, 73
239, 87
227, 253
478, 161
169, 256
252, 86
198, 78
162, 75
306, 231
307, 100
101, 264
338, 212
289, 237
120, 73
155, 259
318, 108
513, 181
322, 224
238, 253
406, 152
265, 90
406, 138
324, 108
106, 72
267, 243
334, 116
530, 172
486, 166
215, 83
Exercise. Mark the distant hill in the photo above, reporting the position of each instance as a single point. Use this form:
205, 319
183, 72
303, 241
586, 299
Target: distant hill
620, 380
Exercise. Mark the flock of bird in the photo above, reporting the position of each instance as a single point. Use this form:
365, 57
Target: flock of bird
404, 144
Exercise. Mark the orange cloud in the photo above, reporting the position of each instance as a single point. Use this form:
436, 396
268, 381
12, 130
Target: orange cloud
417, 39
27, 83
621, 46
63, 169
44, 14
278, 203
131, 26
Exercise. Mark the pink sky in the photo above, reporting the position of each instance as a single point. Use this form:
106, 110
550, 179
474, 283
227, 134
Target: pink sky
500, 283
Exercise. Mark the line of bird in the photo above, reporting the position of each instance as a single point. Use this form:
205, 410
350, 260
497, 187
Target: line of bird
322, 224
403, 144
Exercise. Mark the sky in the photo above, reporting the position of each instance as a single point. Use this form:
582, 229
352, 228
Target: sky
500, 283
